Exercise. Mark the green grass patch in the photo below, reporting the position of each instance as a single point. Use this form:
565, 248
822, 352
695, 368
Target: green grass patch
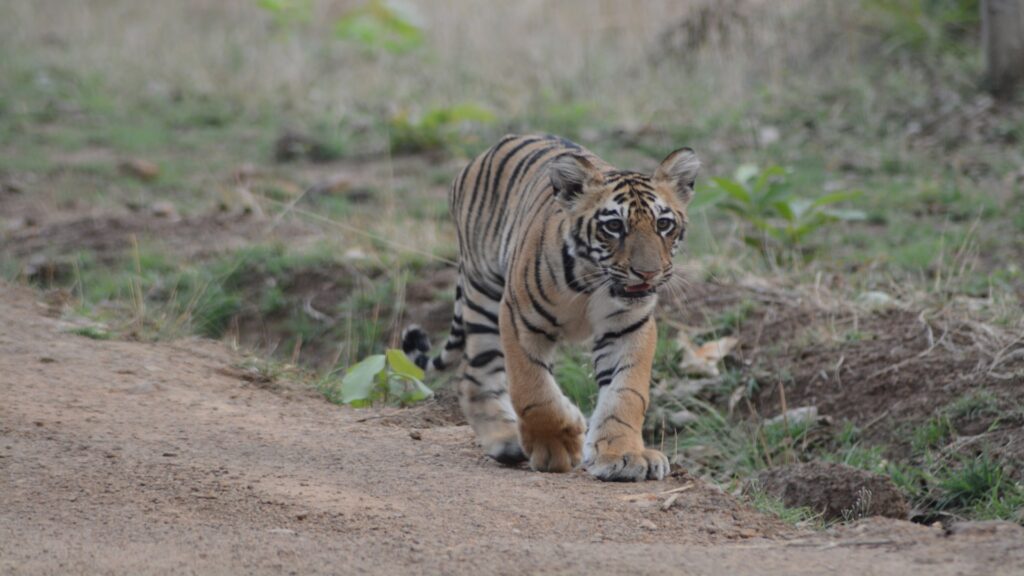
91, 332
573, 374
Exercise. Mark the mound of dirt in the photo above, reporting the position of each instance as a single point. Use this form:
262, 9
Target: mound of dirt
891, 370
837, 491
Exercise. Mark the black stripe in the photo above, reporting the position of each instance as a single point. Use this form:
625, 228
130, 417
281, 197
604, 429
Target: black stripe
536, 329
638, 395
485, 290
481, 310
488, 395
617, 419
608, 337
478, 194
538, 256
484, 358
539, 309
474, 328
497, 182
541, 363
540, 202
568, 265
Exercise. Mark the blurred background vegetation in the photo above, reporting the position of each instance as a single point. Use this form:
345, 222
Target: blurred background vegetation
273, 173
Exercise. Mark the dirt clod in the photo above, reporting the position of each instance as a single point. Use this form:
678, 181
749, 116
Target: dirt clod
143, 170
838, 491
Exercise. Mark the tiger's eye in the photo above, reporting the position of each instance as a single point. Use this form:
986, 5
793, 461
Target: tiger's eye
614, 226
665, 224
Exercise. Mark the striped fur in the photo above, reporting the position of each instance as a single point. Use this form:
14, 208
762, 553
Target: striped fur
555, 244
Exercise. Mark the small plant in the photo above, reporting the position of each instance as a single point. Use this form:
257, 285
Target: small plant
383, 378
861, 507
379, 26
925, 25
92, 332
781, 220
934, 432
287, 13
977, 482
974, 405
435, 130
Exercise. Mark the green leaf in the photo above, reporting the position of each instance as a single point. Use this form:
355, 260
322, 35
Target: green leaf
401, 365
416, 392
799, 207
846, 215
733, 189
837, 197
378, 26
785, 210
745, 173
273, 5
358, 384
767, 175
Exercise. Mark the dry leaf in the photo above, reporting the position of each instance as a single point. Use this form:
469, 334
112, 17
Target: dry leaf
704, 361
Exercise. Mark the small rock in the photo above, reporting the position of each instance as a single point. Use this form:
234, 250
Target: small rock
415, 435
875, 299
681, 418
796, 416
141, 169
12, 187
648, 525
769, 135
164, 209
354, 254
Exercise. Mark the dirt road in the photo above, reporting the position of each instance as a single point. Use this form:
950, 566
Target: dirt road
124, 457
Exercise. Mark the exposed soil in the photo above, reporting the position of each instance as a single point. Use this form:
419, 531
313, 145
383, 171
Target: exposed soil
836, 491
887, 369
901, 368
142, 458
109, 237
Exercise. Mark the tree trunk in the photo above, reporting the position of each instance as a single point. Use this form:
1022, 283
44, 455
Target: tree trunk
1002, 38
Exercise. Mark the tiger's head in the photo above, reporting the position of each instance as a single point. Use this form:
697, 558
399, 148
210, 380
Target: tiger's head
627, 225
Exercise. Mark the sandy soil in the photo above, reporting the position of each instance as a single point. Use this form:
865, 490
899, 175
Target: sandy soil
125, 457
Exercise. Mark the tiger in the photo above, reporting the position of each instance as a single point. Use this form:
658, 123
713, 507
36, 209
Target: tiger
556, 245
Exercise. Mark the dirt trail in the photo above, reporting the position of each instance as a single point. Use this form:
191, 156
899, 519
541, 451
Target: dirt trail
123, 457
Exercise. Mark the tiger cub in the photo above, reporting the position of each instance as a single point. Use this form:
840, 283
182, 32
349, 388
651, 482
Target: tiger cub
555, 244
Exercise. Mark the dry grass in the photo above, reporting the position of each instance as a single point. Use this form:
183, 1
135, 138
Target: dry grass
512, 56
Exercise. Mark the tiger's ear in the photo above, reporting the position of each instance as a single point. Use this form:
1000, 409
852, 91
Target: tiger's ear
570, 174
679, 171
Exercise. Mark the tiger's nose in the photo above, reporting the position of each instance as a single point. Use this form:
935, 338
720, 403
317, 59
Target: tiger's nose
645, 274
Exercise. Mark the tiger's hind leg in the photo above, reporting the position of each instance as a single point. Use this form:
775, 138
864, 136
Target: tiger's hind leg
483, 388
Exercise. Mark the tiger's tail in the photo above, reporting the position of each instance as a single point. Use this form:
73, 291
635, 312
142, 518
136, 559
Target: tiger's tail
416, 341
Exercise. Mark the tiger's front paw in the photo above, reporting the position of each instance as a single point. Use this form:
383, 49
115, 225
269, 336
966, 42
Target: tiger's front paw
629, 466
553, 439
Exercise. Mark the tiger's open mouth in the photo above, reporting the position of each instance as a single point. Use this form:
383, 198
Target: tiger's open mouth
634, 290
